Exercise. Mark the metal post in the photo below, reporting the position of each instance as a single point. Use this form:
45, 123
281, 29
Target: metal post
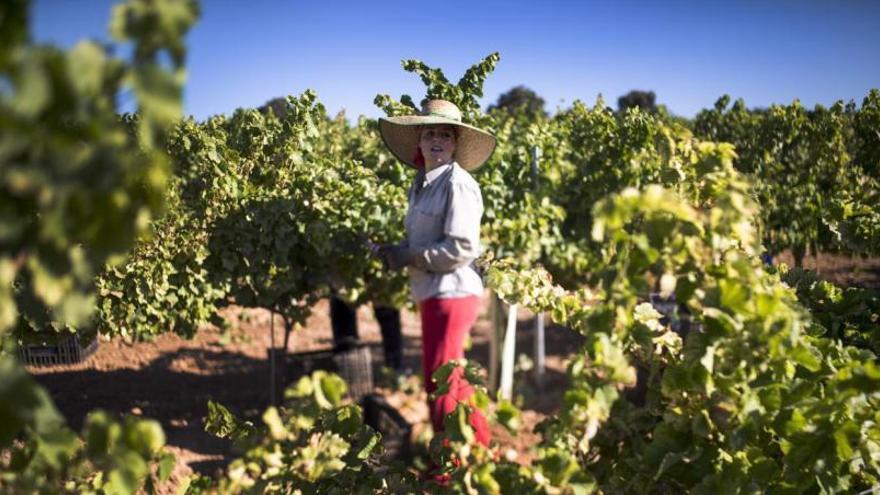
540, 351
539, 348
494, 355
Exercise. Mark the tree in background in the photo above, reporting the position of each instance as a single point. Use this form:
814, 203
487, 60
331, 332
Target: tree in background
645, 100
277, 104
521, 97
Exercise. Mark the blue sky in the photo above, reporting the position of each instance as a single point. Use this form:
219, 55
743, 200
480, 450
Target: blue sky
242, 53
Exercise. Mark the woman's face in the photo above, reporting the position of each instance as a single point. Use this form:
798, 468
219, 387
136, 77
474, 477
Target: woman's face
437, 143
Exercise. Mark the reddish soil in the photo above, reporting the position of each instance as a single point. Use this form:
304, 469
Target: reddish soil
171, 379
842, 270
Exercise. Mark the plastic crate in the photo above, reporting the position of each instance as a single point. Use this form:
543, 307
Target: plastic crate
396, 431
66, 349
354, 365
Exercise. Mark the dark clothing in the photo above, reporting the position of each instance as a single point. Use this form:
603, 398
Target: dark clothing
343, 321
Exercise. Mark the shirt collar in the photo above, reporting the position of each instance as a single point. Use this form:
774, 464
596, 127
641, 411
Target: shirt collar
435, 173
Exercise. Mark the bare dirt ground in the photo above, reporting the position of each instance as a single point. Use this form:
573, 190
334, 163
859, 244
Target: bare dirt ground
843, 270
172, 379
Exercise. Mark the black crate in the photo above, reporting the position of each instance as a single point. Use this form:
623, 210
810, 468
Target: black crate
354, 365
304, 363
676, 315
66, 349
396, 431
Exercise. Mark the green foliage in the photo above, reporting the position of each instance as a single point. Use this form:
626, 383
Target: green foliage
156, 27
625, 205
77, 186
311, 444
610, 154
812, 170
164, 286
223, 424
851, 315
751, 399
273, 209
464, 94
598, 153
40, 454
534, 288
314, 443
866, 153
520, 220
267, 211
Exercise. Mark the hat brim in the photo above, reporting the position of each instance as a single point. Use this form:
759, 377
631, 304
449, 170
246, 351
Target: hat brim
473, 146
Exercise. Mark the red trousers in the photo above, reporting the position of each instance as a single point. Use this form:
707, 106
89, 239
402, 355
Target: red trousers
445, 323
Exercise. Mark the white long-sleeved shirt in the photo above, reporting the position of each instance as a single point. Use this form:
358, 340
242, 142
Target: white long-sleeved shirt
443, 233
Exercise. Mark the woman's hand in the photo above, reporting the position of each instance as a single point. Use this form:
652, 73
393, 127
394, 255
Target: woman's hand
395, 256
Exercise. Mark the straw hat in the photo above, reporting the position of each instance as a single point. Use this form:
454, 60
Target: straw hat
401, 134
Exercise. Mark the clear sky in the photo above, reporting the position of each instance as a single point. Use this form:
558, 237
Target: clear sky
243, 53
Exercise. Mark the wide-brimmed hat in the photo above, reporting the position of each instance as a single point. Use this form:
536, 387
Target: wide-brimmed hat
473, 146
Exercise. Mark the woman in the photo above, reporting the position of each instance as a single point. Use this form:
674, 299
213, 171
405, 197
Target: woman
443, 238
